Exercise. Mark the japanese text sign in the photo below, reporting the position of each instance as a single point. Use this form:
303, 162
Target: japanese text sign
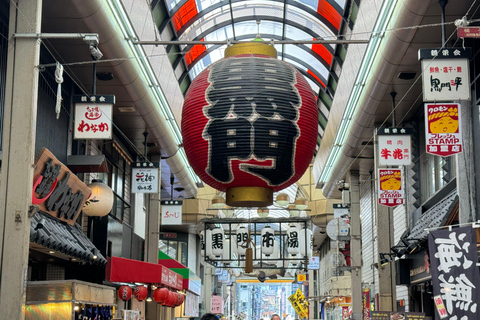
340, 211
455, 275
394, 147
171, 278
216, 304
366, 303
468, 32
172, 212
390, 187
389, 315
93, 116
443, 134
299, 304
56, 190
445, 74
145, 179
314, 263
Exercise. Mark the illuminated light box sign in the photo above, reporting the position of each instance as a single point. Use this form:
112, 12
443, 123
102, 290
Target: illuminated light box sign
443, 133
390, 187
394, 146
93, 116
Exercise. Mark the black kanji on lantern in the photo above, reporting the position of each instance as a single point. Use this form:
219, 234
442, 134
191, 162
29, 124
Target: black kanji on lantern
253, 109
292, 239
267, 239
217, 241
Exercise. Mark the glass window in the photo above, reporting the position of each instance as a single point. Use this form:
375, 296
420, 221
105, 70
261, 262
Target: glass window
177, 250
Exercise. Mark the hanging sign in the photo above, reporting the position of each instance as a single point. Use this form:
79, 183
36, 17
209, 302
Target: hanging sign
216, 304
93, 116
453, 258
171, 212
445, 74
468, 32
394, 146
314, 263
145, 177
366, 303
340, 211
56, 190
390, 191
299, 304
442, 133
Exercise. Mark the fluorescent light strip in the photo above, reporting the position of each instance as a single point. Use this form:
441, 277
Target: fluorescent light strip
367, 62
128, 32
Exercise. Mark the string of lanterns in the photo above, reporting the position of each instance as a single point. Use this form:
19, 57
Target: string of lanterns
162, 296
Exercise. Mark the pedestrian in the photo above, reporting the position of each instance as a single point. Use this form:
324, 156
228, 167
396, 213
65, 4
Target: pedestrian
209, 316
274, 317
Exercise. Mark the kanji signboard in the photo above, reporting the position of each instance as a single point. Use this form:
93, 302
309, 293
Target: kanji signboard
390, 187
171, 212
442, 133
468, 32
299, 304
455, 275
216, 304
445, 74
145, 178
394, 147
93, 116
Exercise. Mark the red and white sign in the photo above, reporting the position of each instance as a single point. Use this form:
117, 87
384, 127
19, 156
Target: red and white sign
442, 132
171, 214
395, 150
171, 278
216, 304
390, 187
440, 307
468, 32
93, 117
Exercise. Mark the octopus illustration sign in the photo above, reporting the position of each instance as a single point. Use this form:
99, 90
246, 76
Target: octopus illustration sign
443, 123
390, 191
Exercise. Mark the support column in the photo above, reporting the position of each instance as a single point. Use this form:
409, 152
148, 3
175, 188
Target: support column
465, 166
207, 288
311, 293
384, 233
18, 156
152, 309
355, 246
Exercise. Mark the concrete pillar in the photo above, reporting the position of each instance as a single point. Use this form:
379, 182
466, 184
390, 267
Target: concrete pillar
355, 245
207, 287
18, 156
465, 166
384, 232
311, 293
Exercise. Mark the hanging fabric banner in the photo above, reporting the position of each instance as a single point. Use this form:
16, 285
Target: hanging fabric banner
455, 275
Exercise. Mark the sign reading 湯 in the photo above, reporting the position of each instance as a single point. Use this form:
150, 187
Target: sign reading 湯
394, 146
445, 74
443, 134
56, 190
93, 116
390, 190
145, 178
455, 275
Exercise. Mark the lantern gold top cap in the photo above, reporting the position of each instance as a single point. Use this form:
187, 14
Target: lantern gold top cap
252, 47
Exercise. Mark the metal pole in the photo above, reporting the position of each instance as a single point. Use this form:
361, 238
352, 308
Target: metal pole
224, 42
393, 94
442, 4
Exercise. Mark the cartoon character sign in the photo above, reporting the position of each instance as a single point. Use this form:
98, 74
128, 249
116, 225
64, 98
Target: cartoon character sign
390, 191
443, 134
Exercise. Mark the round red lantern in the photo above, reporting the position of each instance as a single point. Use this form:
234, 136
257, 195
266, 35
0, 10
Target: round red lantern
250, 125
125, 293
171, 299
160, 295
180, 299
140, 293
167, 299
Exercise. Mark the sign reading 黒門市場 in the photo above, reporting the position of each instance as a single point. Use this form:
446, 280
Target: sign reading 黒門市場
56, 190
443, 133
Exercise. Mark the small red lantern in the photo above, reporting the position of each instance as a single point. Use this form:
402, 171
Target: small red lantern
180, 299
167, 299
160, 295
250, 125
140, 293
171, 299
125, 293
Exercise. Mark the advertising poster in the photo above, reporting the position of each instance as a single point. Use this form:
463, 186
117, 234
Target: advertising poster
366, 304
442, 133
390, 187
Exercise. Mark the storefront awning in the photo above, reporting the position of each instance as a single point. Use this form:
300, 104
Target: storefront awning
87, 163
128, 270
62, 237
191, 281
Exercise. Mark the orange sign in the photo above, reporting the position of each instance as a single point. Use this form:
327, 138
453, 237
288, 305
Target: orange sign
56, 190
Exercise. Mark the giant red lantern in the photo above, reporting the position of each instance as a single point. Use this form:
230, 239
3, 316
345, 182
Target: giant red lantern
160, 295
125, 293
250, 125
140, 293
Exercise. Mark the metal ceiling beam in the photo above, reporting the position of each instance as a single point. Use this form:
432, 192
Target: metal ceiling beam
222, 42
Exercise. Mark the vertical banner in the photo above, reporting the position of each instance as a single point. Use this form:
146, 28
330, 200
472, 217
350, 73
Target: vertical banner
442, 133
366, 304
455, 275
390, 187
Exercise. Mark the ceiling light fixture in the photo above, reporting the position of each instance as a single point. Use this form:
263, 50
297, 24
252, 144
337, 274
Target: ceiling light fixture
351, 107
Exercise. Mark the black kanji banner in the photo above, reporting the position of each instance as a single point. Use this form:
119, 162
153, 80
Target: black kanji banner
455, 275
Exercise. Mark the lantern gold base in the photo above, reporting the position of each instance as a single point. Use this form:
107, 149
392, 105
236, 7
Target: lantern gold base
249, 197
